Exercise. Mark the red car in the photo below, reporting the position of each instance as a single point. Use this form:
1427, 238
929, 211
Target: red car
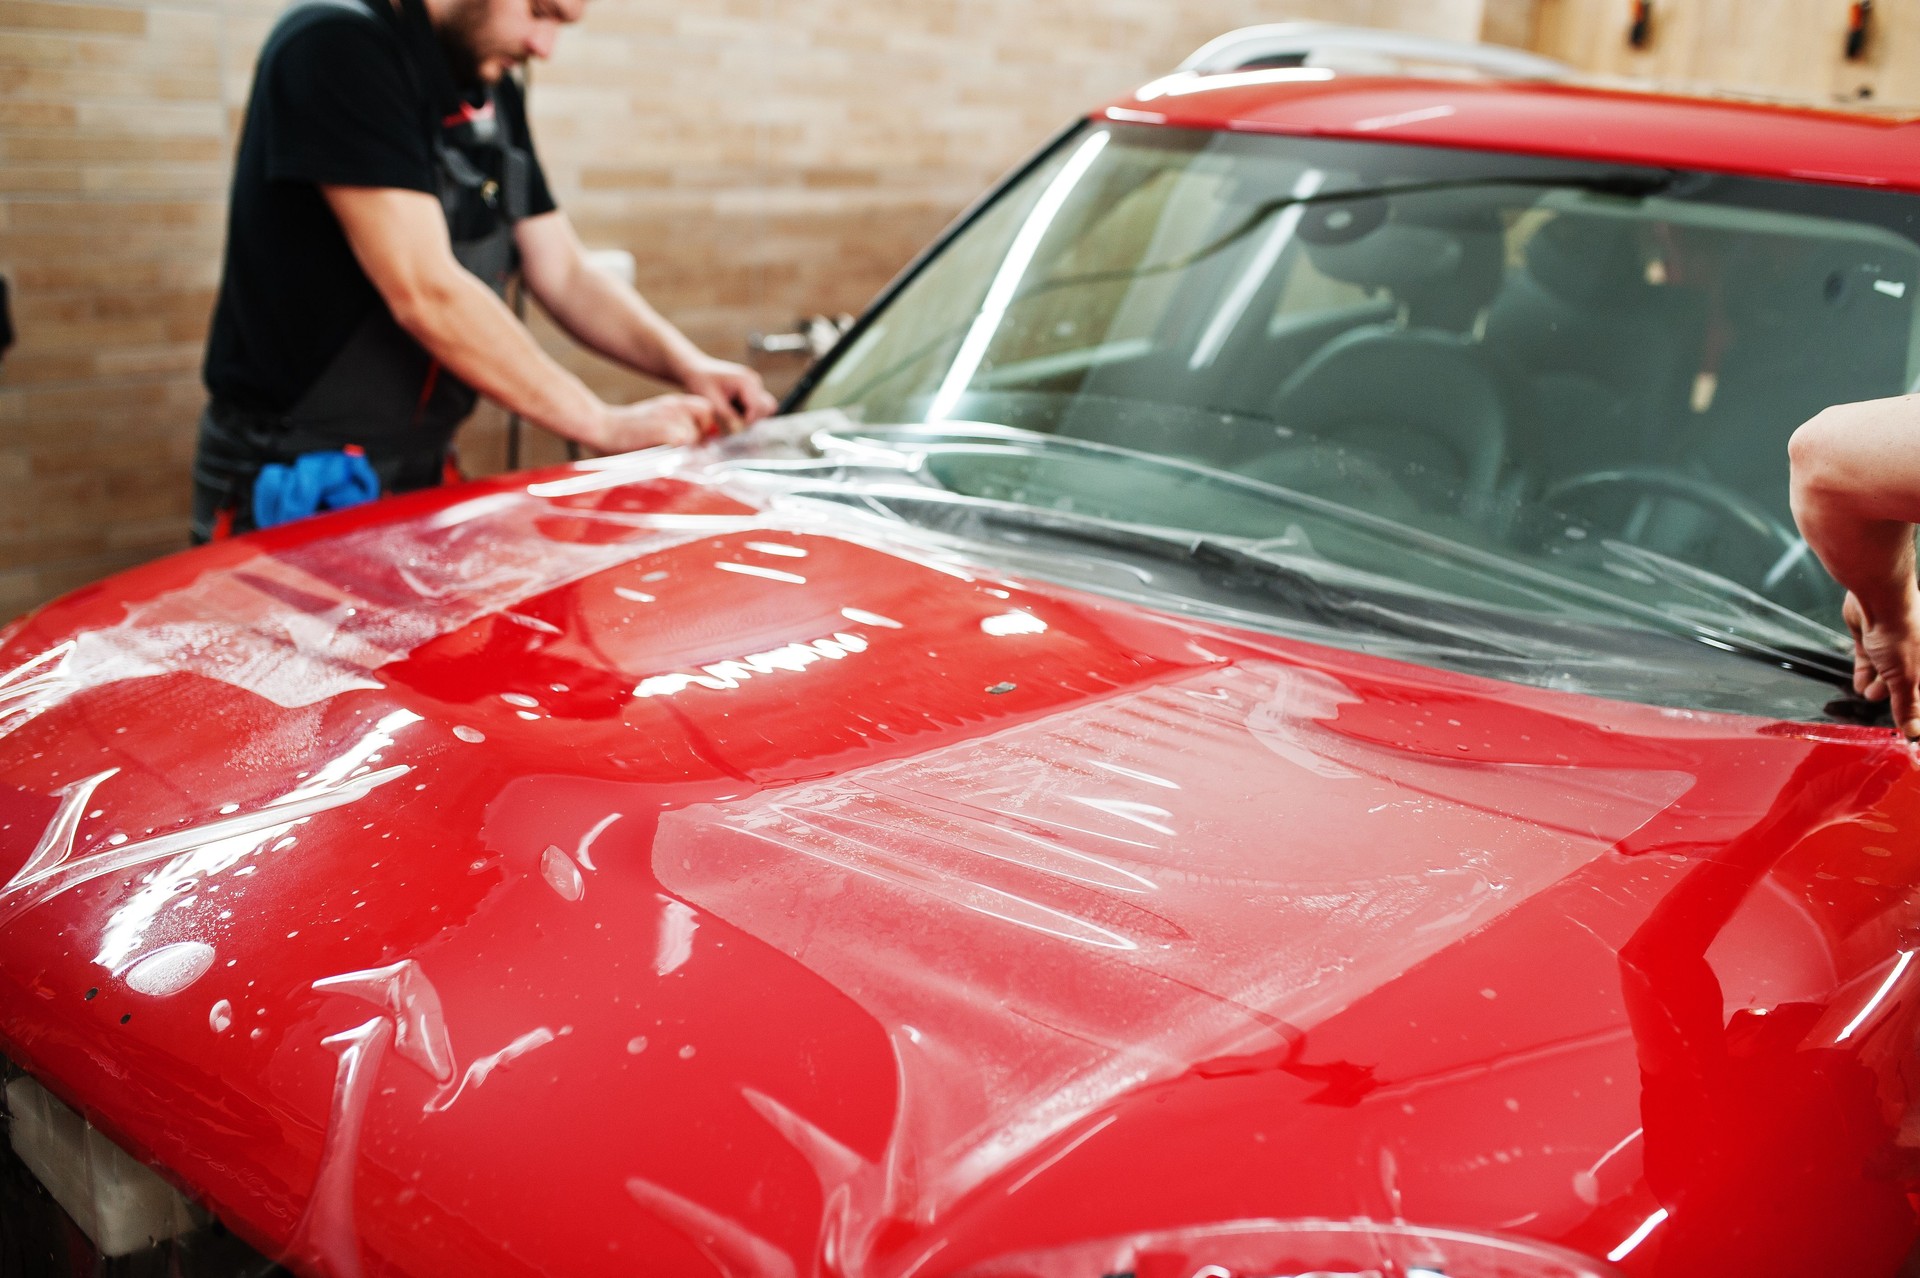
1264, 714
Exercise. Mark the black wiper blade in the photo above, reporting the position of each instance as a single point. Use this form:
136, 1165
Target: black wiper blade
1343, 607
1387, 610
1737, 634
1384, 613
1825, 666
1822, 664
1339, 607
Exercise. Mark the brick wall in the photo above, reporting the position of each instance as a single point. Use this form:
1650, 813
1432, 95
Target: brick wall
113, 145
761, 158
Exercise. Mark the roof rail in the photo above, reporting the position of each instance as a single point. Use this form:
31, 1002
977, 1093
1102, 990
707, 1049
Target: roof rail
1343, 47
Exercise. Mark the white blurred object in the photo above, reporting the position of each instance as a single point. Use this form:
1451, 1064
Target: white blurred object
1365, 50
121, 1204
812, 336
615, 262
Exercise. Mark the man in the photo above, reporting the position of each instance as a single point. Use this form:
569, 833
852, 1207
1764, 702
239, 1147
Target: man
1856, 497
385, 193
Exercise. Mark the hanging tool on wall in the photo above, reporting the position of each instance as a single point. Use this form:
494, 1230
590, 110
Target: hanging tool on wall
1640, 31
811, 335
1859, 29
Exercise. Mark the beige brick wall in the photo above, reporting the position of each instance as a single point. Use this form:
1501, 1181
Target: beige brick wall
761, 158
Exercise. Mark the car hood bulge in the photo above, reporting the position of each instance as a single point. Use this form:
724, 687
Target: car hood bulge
608, 871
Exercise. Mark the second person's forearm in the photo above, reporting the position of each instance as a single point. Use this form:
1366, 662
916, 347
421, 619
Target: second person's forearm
1851, 503
1872, 559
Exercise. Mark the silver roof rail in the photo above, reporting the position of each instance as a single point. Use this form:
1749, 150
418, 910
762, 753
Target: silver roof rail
1362, 48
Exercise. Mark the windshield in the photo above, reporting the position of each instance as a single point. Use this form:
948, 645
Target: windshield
1584, 373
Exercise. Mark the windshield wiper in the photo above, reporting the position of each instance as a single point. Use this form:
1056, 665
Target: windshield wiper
1382, 606
1824, 664
1806, 653
1383, 611
1364, 600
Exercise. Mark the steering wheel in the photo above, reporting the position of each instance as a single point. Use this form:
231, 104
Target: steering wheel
1733, 506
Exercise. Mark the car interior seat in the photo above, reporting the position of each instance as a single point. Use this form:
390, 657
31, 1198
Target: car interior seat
1605, 346
1803, 323
1807, 324
1411, 404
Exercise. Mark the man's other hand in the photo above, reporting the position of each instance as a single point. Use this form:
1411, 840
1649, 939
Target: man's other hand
738, 396
674, 420
1886, 659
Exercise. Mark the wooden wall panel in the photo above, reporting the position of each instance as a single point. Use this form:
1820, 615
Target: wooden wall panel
1778, 47
1511, 22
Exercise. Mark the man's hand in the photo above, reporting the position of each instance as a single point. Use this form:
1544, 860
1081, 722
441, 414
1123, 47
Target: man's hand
738, 396
673, 420
607, 316
1886, 658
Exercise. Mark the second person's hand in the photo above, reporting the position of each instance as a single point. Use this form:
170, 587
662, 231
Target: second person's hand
1886, 658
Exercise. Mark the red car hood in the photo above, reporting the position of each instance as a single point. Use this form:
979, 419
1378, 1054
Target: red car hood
603, 874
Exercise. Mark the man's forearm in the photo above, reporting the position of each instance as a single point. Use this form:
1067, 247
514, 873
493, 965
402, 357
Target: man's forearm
607, 316
400, 239
469, 330
1856, 496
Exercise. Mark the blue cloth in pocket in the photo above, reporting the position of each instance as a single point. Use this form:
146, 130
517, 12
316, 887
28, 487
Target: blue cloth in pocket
315, 482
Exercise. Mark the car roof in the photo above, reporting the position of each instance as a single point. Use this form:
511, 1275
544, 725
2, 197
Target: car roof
1556, 118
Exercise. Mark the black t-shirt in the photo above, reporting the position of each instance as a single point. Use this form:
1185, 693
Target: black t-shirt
334, 102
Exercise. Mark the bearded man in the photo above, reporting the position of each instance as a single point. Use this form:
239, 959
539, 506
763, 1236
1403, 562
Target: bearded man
385, 194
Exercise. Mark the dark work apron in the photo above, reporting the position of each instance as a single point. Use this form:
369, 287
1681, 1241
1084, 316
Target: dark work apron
383, 392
